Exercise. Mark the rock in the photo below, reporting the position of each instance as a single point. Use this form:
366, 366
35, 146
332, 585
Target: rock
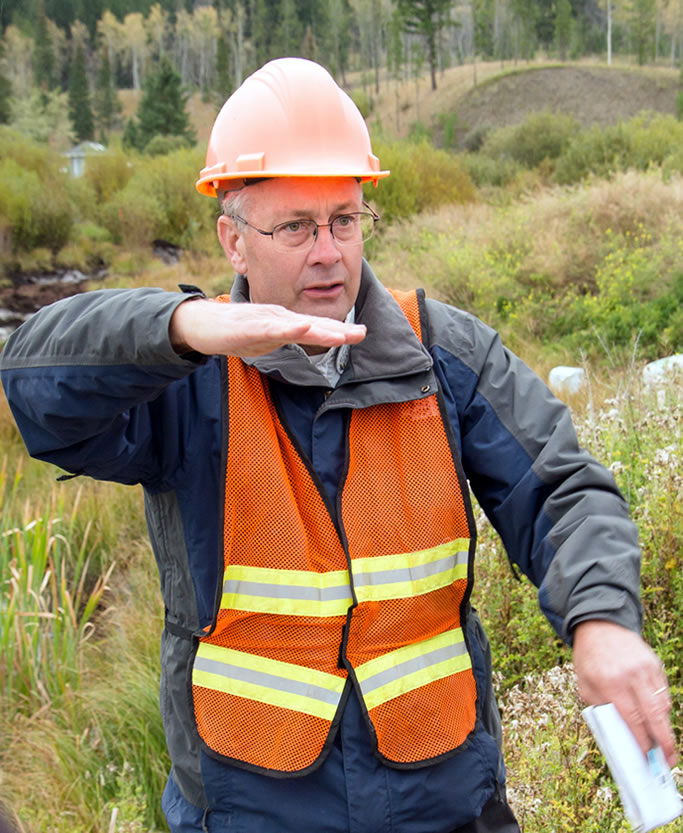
663, 370
563, 379
167, 252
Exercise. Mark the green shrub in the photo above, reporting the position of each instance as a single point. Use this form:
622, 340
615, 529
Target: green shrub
31, 155
422, 177
599, 151
643, 141
475, 138
541, 136
34, 214
160, 201
37, 260
108, 173
90, 231
654, 137
484, 170
161, 145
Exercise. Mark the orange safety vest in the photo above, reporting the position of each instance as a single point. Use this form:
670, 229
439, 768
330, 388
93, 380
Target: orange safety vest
378, 596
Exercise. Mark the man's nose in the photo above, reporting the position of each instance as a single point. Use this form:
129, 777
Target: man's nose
325, 246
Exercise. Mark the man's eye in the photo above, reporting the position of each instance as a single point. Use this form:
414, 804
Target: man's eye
293, 227
344, 220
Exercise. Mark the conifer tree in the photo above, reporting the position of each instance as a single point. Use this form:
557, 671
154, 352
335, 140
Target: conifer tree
643, 15
5, 93
43, 55
223, 85
80, 111
106, 101
162, 109
426, 18
563, 27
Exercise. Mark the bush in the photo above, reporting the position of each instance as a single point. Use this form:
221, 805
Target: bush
541, 136
422, 177
31, 156
483, 170
160, 201
643, 141
34, 215
161, 145
108, 174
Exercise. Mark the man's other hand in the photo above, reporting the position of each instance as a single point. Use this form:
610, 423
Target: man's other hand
213, 328
615, 665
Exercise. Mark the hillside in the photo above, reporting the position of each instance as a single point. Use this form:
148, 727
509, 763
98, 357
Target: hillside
592, 94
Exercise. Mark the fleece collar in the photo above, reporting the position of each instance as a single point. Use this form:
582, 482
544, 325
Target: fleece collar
390, 349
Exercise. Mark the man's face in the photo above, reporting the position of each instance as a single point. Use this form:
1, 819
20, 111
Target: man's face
321, 281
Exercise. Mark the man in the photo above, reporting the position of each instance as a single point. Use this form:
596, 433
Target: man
323, 669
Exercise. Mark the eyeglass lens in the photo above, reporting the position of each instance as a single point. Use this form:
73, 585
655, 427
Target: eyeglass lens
346, 229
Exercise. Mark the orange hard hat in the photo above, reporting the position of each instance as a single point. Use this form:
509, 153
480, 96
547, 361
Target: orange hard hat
290, 118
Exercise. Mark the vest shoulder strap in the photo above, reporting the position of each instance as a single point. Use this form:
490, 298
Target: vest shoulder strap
412, 304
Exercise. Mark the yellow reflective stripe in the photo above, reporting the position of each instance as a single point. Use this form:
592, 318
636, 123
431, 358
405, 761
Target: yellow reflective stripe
273, 575
412, 666
410, 574
409, 559
307, 593
287, 592
266, 680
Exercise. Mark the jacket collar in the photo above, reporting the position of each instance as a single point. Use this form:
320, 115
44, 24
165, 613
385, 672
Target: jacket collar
390, 349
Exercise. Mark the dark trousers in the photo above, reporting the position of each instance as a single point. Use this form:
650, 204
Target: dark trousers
496, 817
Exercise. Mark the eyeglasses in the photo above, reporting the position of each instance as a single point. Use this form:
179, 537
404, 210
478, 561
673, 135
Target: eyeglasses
300, 235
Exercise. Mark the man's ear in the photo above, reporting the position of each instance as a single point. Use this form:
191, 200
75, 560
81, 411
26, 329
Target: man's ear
232, 241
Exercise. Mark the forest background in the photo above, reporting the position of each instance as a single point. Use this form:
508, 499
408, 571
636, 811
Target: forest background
536, 149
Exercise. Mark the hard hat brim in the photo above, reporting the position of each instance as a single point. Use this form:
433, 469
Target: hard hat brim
209, 185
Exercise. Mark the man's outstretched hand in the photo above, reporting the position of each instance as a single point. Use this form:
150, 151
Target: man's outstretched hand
213, 328
615, 665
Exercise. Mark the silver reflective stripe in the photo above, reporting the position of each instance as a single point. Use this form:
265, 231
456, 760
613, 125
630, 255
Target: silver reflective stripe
411, 666
246, 675
414, 573
287, 591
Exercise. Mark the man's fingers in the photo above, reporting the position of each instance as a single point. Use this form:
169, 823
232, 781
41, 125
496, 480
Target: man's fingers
614, 665
252, 329
645, 708
656, 708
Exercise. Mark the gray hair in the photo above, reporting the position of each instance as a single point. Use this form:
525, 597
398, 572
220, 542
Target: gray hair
234, 205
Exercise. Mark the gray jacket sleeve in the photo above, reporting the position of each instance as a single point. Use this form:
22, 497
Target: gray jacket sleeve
81, 376
559, 512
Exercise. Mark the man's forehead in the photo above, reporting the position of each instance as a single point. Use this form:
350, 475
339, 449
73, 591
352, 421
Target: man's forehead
302, 195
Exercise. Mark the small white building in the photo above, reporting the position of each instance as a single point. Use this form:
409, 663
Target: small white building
78, 154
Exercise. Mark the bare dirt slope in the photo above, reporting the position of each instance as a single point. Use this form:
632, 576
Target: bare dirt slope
592, 93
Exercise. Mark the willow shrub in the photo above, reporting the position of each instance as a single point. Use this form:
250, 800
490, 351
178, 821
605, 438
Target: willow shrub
33, 216
160, 201
644, 141
540, 136
422, 177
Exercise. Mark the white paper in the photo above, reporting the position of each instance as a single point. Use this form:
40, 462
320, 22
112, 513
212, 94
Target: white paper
646, 786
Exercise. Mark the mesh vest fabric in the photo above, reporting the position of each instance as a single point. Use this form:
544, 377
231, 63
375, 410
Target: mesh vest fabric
307, 602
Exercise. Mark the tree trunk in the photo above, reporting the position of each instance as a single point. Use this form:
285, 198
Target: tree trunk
609, 33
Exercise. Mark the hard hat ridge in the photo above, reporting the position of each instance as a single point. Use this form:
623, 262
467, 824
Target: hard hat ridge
290, 118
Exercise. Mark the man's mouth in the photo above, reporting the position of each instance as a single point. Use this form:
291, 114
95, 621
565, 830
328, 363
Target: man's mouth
328, 290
